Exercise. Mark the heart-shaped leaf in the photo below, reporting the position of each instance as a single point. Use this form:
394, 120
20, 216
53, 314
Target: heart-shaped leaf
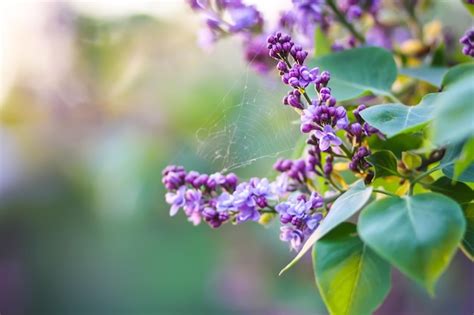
454, 114
384, 162
351, 278
418, 234
393, 119
353, 72
342, 209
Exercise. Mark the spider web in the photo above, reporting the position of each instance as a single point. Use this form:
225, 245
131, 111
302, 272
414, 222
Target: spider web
256, 127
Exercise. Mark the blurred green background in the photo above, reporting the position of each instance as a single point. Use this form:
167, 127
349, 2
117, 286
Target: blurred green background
92, 108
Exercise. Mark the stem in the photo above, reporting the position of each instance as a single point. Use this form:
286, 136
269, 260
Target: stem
333, 184
344, 21
381, 191
303, 92
420, 177
346, 151
268, 210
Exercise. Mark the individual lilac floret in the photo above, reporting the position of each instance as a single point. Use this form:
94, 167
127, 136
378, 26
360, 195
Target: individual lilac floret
468, 41
327, 138
177, 200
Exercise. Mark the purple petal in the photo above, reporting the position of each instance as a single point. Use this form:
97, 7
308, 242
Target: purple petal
323, 144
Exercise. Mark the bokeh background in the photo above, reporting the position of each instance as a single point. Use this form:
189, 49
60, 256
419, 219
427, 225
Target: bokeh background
96, 98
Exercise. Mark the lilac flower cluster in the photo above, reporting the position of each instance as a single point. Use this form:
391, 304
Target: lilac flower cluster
195, 193
468, 43
321, 118
219, 198
299, 216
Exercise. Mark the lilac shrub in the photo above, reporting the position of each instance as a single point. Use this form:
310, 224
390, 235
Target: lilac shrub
399, 170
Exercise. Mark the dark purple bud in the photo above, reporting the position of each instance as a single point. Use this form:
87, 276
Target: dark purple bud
224, 216
261, 202
324, 78
286, 218
200, 180
209, 213
296, 221
356, 129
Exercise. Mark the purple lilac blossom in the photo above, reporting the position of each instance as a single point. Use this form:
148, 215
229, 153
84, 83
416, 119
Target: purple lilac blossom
327, 138
468, 41
256, 54
299, 217
309, 13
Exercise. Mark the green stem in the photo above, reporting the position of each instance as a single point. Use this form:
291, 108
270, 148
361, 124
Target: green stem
303, 91
346, 151
420, 177
333, 184
344, 21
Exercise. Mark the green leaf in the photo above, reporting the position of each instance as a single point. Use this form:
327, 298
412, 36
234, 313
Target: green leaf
393, 119
355, 72
457, 153
322, 45
342, 209
432, 75
466, 176
397, 144
467, 245
460, 192
351, 278
384, 162
454, 110
418, 234
458, 74
466, 159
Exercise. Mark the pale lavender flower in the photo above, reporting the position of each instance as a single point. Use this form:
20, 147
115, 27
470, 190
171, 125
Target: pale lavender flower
292, 235
244, 18
176, 199
225, 202
327, 138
